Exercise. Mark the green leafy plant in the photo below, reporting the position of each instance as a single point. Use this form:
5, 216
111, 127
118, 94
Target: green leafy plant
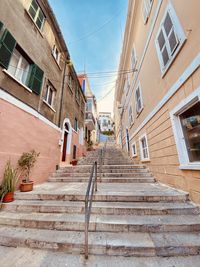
27, 162
10, 180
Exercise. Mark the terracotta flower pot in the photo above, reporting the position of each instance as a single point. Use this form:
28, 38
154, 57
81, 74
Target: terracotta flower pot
74, 162
9, 197
26, 186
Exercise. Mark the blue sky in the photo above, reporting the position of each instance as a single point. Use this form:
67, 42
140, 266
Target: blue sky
93, 31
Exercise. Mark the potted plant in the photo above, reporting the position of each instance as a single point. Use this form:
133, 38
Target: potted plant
26, 163
9, 183
74, 162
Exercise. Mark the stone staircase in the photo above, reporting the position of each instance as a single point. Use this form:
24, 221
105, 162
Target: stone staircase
132, 214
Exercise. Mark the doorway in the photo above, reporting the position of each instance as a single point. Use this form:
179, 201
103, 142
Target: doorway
66, 140
64, 146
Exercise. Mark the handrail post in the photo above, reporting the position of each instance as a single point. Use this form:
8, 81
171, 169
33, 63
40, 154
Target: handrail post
86, 230
95, 176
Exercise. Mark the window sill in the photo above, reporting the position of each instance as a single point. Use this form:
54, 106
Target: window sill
139, 112
145, 160
134, 156
78, 102
20, 83
49, 105
70, 89
34, 23
75, 131
190, 167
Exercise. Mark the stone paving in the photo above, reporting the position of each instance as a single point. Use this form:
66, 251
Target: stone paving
23, 257
140, 222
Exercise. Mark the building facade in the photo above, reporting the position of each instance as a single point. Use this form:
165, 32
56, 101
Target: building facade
41, 102
106, 122
157, 101
91, 121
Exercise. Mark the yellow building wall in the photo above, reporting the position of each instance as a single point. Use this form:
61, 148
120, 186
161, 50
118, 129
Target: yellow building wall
164, 162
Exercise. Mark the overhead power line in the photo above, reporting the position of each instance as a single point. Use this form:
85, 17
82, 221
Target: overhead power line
89, 34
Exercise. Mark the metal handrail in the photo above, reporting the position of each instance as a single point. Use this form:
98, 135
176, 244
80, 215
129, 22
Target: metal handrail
92, 184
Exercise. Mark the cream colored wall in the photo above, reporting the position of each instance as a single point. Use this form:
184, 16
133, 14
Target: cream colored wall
164, 161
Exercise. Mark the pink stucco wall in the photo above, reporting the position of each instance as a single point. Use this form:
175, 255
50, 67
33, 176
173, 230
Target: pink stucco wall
21, 132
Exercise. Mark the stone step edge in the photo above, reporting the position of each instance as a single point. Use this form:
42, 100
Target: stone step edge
78, 224
105, 198
110, 247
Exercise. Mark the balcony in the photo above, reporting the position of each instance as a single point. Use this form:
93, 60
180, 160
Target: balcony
90, 120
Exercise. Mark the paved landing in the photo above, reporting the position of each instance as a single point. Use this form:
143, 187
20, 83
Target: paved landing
22, 257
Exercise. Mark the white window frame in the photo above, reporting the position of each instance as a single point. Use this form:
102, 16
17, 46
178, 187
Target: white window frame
19, 68
178, 131
54, 54
133, 58
141, 148
134, 154
36, 15
141, 99
127, 84
146, 9
130, 116
180, 35
48, 88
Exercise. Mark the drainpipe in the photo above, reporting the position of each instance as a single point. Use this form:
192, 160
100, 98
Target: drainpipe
62, 92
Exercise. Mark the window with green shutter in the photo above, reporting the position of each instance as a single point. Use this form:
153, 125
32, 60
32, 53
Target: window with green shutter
35, 79
1, 25
7, 45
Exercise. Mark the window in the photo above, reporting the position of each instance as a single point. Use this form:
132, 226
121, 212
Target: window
18, 64
89, 105
19, 67
146, 8
56, 54
77, 94
134, 150
2, 29
138, 99
133, 59
49, 95
76, 124
130, 116
70, 82
144, 151
186, 126
126, 86
169, 39
36, 14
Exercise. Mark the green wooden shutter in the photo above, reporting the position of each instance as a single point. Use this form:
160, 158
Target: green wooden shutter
1, 25
35, 79
7, 45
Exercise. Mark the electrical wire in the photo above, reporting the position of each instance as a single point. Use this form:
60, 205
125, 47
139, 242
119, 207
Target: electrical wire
106, 94
90, 34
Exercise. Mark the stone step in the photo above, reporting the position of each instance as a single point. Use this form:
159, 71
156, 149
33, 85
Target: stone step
106, 170
116, 208
102, 223
115, 175
123, 244
103, 179
137, 197
23, 256
136, 192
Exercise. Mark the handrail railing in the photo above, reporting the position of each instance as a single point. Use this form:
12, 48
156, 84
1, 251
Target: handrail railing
92, 184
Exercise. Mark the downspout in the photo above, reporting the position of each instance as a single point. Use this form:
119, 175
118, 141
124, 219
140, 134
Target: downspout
62, 92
